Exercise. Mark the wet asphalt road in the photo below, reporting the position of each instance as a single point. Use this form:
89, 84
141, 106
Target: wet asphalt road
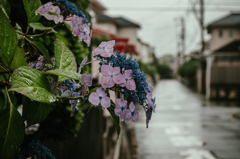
185, 126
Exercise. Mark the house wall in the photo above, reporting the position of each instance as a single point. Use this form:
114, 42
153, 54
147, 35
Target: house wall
128, 32
145, 53
217, 42
108, 27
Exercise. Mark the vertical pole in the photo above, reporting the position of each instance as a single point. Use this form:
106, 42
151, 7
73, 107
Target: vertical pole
182, 38
202, 25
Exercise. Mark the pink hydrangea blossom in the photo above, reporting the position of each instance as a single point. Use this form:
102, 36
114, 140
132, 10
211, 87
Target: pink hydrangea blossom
100, 97
121, 106
56, 18
77, 25
150, 88
86, 80
105, 49
129, 83
148, 116
44, 9
111, 76
151, 102
131, 113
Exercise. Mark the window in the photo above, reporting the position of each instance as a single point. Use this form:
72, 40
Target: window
220, 32
230, 33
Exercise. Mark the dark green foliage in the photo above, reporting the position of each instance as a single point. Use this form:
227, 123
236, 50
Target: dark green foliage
164, 71
59, 125
188, 71
148, 70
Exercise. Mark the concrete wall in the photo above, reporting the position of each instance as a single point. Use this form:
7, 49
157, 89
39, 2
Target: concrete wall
216, 41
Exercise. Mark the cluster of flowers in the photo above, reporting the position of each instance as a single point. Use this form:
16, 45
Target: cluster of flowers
123, 75
68, 14
119, 73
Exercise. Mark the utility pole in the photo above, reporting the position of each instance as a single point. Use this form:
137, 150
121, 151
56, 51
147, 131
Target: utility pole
200, 18
181, 34
202, 25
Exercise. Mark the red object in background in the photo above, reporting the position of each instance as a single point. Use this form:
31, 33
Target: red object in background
131, 49
120, 44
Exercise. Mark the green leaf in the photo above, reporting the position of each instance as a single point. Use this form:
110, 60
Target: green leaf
19, 59
64, 58
30, 7
5, 7
8, 39
3, 99
42, 48
65, 73
68, 26
12, 132
38, 26
51, 13
34, 112
62, 38
114, 116
33, 84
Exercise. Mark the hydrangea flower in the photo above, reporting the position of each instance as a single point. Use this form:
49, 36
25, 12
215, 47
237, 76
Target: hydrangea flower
86, 80
129, 83
151, 102
121, 106
148, 116
111, 76
105, 49
131, 113
44, 9
100, 97
77, 25
150, 88
56, 19
74, 103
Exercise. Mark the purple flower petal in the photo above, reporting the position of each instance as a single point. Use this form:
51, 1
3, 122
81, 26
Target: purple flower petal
131, 85
94, 98
135, 117
83, 79
107, 82
127, 115
128, 74
105, 102
117, 111
89, 80
105, 49
101, 92
44, 9
148, 116
150, 88
118, 79
120, 103
107, 70
115, 71
132, 107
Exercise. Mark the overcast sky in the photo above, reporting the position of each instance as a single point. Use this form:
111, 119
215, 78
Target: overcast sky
159, 20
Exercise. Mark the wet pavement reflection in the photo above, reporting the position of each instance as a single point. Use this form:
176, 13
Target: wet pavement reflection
185, 126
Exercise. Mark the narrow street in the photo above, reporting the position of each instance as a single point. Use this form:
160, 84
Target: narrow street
185, 126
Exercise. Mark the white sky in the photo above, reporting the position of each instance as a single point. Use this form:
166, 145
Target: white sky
159, 24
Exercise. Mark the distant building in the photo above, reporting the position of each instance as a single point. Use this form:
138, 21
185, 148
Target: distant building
223, 58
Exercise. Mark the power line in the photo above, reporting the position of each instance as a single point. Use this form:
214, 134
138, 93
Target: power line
113, 8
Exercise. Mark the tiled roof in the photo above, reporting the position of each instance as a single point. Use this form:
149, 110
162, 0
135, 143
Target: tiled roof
230, 20
119, 21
